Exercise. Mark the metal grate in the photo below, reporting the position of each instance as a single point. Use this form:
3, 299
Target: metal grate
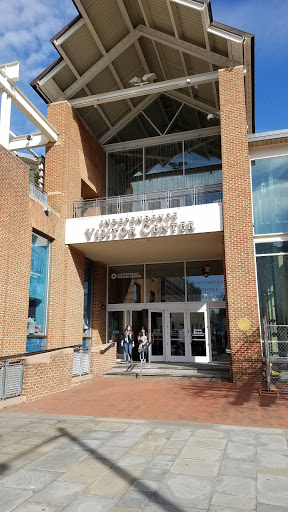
11, 379
276, 355
81, 362
38, 193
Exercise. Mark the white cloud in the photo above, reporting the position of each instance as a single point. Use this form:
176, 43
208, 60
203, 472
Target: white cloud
266, 19
26, 28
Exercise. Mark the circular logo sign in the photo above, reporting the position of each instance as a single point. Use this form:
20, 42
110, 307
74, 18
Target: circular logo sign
113, 276
244, 324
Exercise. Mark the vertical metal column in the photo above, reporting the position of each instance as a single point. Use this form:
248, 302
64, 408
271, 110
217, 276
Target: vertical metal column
5, 119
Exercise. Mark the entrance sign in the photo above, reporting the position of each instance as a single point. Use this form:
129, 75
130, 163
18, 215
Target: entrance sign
184, 220
143, 225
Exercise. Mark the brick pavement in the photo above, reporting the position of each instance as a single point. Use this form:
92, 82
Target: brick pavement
168, 400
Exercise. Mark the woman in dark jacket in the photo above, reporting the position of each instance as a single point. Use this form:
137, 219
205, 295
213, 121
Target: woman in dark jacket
128, 342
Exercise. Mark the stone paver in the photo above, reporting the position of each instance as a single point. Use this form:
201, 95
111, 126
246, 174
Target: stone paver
82, 464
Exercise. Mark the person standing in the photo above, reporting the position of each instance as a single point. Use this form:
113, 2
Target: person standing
142, 340
128, 342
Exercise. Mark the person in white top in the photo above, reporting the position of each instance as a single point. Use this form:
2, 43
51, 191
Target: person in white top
142, 340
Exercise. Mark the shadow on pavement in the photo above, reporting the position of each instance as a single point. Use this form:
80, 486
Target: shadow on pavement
161, 501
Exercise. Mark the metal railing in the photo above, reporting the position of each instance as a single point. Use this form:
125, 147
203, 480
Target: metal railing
276, 356
11, 379
38, 193
81, 362
154, 201
111, 345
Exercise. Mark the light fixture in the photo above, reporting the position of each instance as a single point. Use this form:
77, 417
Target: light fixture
103, 306
146, 79
210, 118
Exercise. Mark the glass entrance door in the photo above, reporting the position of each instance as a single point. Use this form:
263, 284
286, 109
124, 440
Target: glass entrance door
156, 330
198, 336
177, 350
188, 337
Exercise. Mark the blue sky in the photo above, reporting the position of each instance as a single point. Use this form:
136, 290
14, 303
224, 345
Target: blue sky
26, 28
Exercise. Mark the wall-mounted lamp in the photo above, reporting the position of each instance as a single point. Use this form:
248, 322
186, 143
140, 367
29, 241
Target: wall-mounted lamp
103, 306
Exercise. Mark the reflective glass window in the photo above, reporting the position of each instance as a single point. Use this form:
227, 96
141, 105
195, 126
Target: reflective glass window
203, 168
166, 282
87, 313
164, 167
219, 339
191, 119
271, 247
126, 284
38, 293
125, 172
116, 326
270, 192
205, 281
162, 111
272, 273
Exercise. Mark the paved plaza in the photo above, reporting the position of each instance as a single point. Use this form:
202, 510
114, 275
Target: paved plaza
55, 463
168, 400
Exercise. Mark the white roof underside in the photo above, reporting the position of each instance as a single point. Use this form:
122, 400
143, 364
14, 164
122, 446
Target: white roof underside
111, 41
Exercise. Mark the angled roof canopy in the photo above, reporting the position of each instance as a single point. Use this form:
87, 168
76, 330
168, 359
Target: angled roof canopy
112, 41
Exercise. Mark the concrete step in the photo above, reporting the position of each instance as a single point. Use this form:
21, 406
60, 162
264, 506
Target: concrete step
199, 372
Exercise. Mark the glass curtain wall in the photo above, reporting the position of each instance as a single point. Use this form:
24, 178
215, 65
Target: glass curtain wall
272, 274
164, 115
164, 167
270, 192
126, 284
87, 313
203, 168
125, 172
171, 166
205, 282
38, 293
165, 282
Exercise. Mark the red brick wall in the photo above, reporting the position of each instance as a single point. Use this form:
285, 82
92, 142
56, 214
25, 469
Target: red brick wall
76, 156
102, 363
47, 373
45, 223
241, 284
15, 253
52, 372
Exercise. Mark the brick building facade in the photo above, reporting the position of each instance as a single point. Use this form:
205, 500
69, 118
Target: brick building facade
150, 213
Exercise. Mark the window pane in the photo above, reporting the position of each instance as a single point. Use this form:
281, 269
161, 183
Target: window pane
270, 192
203, 168
272, 273
87, 315
121, 284
191, 119
162, 111
205, 281
218, 334
271, 247
164, 167
39, 273
125, 172
116, 327
166, 281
